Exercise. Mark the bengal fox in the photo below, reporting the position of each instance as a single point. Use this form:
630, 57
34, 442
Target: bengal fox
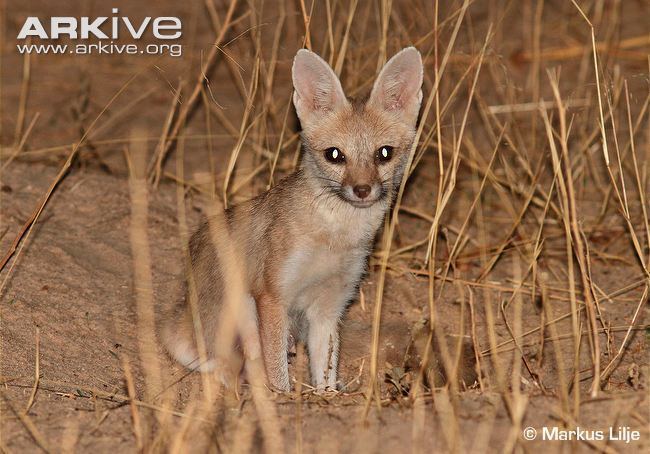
303, 246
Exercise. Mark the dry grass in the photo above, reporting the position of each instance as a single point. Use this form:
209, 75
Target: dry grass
527, 185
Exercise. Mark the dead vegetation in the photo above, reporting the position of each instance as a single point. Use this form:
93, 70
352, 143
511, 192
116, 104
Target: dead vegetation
509, 286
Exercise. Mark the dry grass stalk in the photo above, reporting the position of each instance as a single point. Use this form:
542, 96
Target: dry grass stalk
29, 425
306, 18
192, 295
143, 285
519, 401
571, 52
135, 414
194, 96
24, 93
455, 248
338, 66
37, 371
580, 251
179, 442
69, 437
160, 154
569, 257
19, 146
243, 131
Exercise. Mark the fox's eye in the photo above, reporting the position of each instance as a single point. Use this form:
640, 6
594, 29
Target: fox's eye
334, 155
385, 153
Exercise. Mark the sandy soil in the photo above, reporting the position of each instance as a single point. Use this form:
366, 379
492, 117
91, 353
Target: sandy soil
72, 292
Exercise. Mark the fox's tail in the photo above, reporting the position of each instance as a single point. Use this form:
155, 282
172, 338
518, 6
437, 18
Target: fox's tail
178, 338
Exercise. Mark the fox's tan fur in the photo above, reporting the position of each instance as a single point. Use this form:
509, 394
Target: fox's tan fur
303, 245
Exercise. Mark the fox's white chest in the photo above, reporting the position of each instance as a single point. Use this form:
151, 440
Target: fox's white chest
330, 251
311, 265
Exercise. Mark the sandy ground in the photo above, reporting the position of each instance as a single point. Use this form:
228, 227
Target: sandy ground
72, 292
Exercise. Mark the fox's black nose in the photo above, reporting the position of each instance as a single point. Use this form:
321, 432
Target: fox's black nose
362, 190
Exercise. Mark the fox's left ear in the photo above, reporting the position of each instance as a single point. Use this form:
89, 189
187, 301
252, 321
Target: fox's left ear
317, 89
399, 85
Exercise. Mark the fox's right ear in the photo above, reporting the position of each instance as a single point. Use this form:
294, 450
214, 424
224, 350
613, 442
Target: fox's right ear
317, 90
398, 87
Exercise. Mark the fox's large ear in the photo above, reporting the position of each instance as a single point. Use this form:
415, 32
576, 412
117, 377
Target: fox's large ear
317, 90
399, 85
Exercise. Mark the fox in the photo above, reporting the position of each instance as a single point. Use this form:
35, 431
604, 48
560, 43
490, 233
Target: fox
303, 246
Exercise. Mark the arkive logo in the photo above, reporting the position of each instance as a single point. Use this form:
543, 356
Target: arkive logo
162, 27
104, 32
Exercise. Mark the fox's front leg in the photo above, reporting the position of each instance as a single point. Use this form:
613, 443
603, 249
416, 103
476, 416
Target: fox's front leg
323, 345
274, 333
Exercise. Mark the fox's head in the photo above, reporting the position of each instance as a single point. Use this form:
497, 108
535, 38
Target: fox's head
357, 150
